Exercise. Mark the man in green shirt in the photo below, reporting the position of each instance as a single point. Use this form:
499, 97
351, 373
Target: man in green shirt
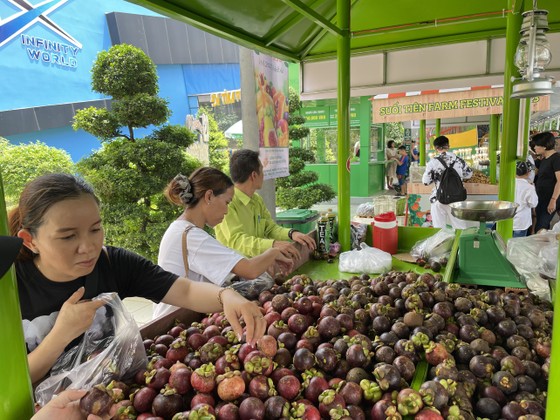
248, 226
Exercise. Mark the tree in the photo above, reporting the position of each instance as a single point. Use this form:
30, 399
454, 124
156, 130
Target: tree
300, 189
129, 173
217, 143
21, 163
394, 131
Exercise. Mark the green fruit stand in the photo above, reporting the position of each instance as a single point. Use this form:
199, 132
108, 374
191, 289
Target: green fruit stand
306, 32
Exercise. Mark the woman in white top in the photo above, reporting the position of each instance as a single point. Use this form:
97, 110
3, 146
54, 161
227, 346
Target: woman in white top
205, 196
391, 158
526, 198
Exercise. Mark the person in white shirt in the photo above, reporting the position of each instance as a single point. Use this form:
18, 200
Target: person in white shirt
441, 213
205, 196
526, 198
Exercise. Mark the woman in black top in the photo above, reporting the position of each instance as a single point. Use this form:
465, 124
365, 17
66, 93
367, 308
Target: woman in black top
63, 264
547, 181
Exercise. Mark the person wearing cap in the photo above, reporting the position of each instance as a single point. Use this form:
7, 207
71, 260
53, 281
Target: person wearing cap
63, 265
526, 199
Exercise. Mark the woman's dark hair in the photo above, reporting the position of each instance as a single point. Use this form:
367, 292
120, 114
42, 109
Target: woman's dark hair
402, 147
441, 142
390, 143
242, 164
37, 198
544, 139
522, 168
200, 181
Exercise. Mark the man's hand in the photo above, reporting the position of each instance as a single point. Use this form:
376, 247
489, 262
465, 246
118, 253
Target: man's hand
305, 240
288, 249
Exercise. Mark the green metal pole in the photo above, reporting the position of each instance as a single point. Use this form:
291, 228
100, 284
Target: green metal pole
438, 127
365, 131
422, 142
16, 397
526, 103
553, 397
493, 145
343, 101
321, 149
506, 186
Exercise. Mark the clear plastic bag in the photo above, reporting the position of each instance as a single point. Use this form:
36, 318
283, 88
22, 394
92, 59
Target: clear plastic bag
251, 289
358, 232
434, 247
365, 210
535, 258
111, 349
365, 260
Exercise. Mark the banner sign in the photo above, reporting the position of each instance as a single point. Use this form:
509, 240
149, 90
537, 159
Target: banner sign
275, 162
271, 86
446, 105
227, 97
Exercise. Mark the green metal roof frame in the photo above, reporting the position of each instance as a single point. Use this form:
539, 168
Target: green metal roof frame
307, 30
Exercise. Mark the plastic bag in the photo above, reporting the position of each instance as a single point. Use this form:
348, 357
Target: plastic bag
358, 232
365, 260
365, 210
251, 289
535, 258
436, 246
111, 349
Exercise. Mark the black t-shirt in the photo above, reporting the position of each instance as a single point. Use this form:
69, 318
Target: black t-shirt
546, 179
118, 270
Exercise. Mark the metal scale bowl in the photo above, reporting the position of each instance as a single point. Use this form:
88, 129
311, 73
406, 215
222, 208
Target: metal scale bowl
482, 253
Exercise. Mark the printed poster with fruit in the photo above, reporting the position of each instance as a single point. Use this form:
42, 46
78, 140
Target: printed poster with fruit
271, 84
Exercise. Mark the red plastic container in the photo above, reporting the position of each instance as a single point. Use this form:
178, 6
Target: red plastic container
385, 232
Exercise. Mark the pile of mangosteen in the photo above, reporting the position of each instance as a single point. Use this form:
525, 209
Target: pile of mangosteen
394, 346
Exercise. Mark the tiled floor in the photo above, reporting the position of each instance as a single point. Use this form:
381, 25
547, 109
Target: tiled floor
140, 308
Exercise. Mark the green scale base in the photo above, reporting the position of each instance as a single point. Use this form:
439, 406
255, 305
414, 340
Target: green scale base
481, 261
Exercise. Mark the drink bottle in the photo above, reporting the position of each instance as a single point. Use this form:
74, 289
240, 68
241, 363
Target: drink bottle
322, 234
331, 217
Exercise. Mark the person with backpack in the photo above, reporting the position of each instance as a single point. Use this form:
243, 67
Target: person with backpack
447, 172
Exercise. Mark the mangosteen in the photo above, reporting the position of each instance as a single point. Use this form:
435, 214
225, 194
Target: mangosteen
276, 407
328, 327
251, 408
405, 366
505, 381
387, 376
357, 374
303, 359
488, 408
357, 356
326, 358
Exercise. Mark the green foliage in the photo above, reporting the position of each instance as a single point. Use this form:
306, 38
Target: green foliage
141, 110
21, 163
217, 143
300, 189
124, 71
129, 178
129, 174
174, 134
99, 122
394, 131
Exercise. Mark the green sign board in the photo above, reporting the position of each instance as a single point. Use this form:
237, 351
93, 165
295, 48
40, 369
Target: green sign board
326, 116
316, 117
354, 115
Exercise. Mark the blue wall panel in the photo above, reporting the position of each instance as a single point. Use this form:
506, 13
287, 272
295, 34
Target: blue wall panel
30, 77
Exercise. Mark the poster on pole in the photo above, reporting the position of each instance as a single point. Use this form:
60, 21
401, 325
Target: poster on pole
271, 87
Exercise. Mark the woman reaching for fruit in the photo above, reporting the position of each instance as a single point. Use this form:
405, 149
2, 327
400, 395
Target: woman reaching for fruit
187, 250
63, 265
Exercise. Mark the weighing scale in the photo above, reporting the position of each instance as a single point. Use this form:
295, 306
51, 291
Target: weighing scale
482, 252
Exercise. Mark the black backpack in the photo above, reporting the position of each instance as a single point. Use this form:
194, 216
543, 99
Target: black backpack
451, 187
